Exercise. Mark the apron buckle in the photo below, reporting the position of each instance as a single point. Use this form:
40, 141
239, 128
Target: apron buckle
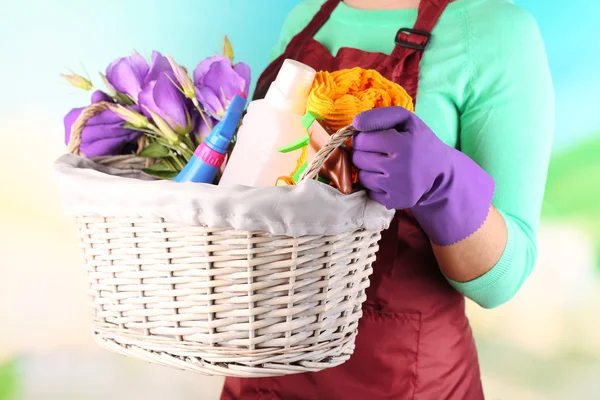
408, 32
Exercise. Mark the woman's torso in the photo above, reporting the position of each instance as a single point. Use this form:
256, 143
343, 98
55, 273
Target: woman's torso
414, 339
449, 68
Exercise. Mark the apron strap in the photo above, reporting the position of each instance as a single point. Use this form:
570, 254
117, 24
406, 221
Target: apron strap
409, 40
293, 47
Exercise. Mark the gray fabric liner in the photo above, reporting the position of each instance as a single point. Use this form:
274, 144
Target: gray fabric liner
311, 208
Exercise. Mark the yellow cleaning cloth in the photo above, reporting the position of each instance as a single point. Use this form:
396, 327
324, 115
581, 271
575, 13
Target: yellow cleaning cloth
339, 96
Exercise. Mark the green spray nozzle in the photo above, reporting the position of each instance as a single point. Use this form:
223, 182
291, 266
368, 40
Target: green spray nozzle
298, 144
301, 170
309, 118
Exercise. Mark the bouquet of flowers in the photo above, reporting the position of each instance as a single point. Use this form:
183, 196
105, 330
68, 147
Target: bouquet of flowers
159, 102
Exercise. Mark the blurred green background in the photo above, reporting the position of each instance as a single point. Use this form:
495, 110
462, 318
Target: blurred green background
545, 344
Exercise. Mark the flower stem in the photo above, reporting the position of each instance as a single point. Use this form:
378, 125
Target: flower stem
183, 149
188, 141
175, 147
177, 161
171, 164
202, 115
146, 131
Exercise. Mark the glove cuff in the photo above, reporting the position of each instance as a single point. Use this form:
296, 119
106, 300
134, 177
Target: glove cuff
458, 203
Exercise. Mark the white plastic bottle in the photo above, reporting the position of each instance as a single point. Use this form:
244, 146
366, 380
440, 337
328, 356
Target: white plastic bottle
269, 124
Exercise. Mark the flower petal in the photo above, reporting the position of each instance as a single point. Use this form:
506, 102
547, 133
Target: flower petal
111, 145
164, 99
69, 120
209, 100
104, 135
127, 74
160, 66
224, 81
201, 129
92, 133
99, 96
146, 98
243, 70
205, 65
171, 105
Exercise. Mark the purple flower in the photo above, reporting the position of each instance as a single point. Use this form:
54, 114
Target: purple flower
103, 135
99, 96
127, 74
217, 81
159, 67
201, 129
130, 74
164, 98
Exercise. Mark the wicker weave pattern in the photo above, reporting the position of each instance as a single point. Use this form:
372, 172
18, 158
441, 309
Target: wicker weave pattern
225, 302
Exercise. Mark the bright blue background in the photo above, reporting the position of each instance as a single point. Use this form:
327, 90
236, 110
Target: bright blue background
40, 39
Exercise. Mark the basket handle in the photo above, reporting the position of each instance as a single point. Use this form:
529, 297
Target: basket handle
77, 128
336, 140
86, 114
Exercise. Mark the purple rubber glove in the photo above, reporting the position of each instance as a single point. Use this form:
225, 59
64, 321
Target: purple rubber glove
404, 165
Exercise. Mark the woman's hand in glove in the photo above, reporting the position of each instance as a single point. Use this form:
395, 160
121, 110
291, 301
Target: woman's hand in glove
404, 165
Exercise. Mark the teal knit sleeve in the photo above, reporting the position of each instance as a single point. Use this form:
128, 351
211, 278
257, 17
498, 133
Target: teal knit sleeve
297, 19
507, 124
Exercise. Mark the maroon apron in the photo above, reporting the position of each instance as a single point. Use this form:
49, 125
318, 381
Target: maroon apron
414, 340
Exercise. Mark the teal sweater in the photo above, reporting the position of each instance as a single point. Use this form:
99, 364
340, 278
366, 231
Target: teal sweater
486, 89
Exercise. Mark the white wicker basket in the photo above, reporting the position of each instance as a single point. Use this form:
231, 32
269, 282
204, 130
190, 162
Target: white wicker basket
225, 301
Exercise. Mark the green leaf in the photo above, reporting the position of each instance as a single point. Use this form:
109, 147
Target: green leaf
163, 170
161, 174
154, 150
161, 166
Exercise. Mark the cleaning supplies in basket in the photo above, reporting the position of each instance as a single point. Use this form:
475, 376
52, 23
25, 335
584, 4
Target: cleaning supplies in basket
211, 153
269, 124
334, 100
191, 276
341, 95
337, 169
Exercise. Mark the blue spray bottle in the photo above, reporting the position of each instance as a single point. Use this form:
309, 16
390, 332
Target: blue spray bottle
210, 155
